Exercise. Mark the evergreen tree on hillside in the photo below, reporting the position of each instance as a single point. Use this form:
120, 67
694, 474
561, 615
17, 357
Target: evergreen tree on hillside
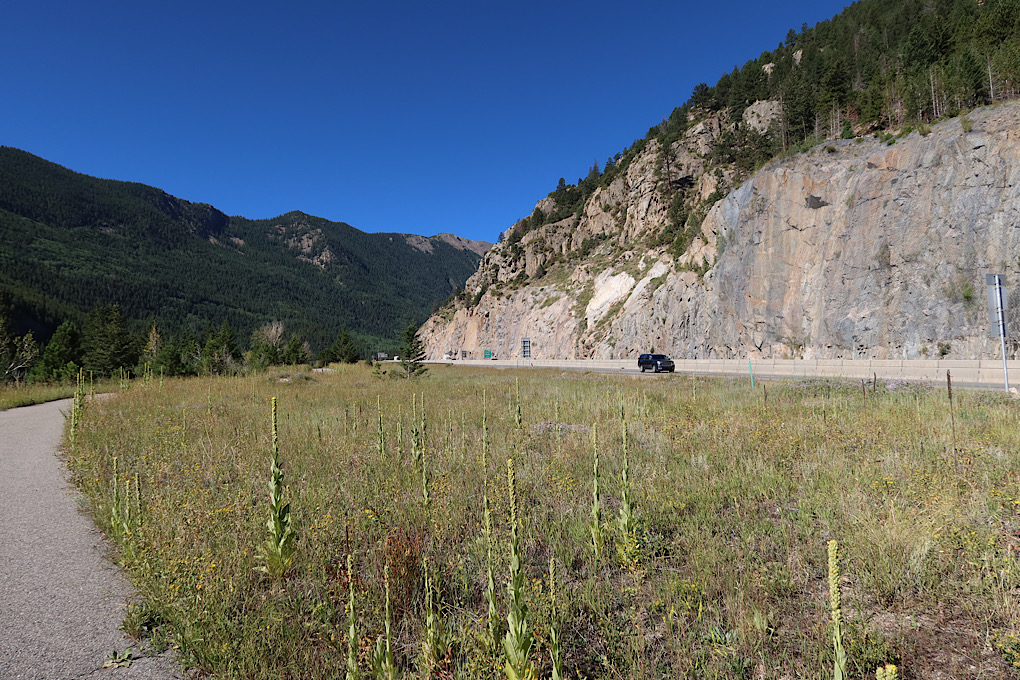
107, 346
176, 358
342, 351
220, 354
295, 352
62, 355
412, 353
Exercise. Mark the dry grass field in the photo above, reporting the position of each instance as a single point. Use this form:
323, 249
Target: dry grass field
703, 553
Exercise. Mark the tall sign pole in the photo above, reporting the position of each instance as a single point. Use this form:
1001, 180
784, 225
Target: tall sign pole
997, 306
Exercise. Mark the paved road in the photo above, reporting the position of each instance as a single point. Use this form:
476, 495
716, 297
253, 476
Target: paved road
970, 374
61, 600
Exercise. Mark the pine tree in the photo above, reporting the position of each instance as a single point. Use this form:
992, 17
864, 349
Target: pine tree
342, 351
412, 353
295, 352
62, 356
107, 345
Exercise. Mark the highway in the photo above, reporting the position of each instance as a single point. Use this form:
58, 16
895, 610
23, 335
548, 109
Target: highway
984, 373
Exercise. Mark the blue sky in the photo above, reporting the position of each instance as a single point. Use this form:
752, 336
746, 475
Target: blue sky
406, 117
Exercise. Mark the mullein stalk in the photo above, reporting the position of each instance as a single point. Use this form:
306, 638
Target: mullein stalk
839, 664
555, 652
352, 626
400, 430
425, 497
381, 445
952, 413
77, 410
116, 511
492, 629
597, 537
383, 665
518, 642
138, 499
424, 423
433, 638
559, 443
422, 447
279, 549
415, 434
418, 447
518, 416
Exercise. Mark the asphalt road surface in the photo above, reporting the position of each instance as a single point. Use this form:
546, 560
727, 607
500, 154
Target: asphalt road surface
61, 600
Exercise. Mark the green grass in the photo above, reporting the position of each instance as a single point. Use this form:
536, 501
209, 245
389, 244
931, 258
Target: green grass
734, 499
12, 396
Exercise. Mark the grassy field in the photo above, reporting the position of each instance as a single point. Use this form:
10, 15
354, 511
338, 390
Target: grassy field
712, 530
12, 396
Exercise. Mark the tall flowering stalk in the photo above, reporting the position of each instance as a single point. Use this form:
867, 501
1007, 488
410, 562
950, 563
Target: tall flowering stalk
518, 641
597, 537
839, 666
555, 652
492, 629
433, 642
352, 626
77, 411
279, 549
419, 440
381, 435
518, 416
383, 665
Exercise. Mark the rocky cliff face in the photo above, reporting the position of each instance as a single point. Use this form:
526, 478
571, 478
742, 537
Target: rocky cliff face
855, 248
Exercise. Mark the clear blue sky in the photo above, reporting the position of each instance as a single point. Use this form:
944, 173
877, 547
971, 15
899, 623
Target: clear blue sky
391, 116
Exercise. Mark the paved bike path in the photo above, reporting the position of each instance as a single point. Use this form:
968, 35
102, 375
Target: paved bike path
61, 600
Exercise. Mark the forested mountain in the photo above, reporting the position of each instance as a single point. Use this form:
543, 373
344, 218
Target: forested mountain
72, 242
878, 65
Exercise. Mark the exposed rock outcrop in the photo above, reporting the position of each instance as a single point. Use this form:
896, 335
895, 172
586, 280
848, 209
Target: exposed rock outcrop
855, 248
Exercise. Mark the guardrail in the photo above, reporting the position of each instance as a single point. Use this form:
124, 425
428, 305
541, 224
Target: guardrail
985, 372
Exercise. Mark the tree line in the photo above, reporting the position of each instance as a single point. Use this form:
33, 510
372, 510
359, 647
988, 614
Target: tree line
105, 346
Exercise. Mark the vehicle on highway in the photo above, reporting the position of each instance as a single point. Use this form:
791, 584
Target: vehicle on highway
656, 362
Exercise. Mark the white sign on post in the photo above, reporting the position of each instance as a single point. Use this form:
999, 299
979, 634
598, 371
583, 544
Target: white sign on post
998, 302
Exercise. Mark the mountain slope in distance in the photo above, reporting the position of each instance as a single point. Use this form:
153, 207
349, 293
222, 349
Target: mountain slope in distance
71, 242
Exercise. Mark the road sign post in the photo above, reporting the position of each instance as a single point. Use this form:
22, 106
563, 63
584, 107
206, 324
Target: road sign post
997, 303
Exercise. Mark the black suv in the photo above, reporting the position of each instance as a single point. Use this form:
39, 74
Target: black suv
656, 362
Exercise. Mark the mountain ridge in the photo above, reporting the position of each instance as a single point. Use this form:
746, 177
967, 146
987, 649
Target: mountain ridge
72, 241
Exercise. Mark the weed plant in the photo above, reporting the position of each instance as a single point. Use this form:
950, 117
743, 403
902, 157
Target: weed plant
279, 549
735, 504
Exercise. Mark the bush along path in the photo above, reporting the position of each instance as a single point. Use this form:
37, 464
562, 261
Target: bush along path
61, 601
